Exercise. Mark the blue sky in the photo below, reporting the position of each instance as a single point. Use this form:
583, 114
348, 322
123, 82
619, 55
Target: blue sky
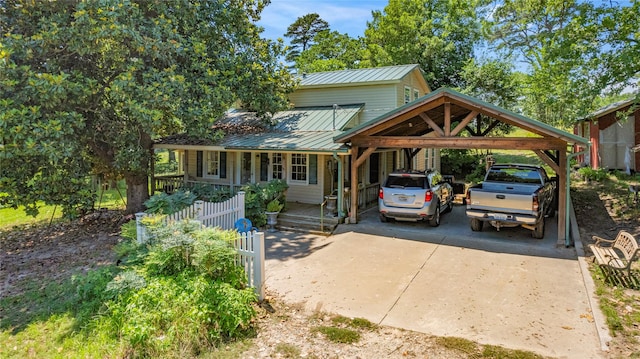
344, 16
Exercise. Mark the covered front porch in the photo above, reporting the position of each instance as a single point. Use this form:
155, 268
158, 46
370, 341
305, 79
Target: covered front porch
321, 218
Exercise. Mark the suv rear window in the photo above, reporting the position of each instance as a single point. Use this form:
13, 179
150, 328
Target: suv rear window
406, 181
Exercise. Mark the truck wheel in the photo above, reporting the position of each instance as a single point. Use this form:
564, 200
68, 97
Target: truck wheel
449, 206
476, 225
552, 211
435, 220
538, 230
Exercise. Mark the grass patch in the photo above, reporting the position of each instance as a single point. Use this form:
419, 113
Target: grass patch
492, 351
112, 198
474, 350
357, 323
52, 320
459, 344
338, 335
287, 350
10, 217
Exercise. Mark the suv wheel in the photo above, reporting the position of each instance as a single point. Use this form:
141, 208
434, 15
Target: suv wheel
435, 220
383, 218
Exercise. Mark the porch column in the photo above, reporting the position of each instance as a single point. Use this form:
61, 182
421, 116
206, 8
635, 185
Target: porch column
354, 185
185, 167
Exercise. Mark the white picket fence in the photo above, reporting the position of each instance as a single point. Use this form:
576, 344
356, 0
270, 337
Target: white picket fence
250, 245
210, 214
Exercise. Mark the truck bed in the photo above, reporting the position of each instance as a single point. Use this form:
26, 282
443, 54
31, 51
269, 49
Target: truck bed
503, 198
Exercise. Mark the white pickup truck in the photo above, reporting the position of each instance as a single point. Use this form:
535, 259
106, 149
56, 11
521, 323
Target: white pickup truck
512, 195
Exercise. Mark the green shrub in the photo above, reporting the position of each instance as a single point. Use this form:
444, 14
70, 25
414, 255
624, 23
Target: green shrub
214, 257
185, 296
162, 203
460, 162
258, 196
210, 193
590, 174
172, 247
274, 206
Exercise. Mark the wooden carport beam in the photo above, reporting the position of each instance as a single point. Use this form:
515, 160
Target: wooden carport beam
483, 143
549, 160
432, 124
464, 122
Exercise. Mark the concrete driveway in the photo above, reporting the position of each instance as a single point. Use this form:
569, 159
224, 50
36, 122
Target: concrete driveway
501, 288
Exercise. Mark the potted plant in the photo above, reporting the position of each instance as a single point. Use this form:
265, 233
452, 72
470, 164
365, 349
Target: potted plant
273, 208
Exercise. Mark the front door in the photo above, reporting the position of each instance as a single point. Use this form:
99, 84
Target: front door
246, 164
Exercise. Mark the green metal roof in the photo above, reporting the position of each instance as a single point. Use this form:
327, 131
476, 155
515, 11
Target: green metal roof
447, 92
317, 118
300, 129
356, 76
307, 141
611, 108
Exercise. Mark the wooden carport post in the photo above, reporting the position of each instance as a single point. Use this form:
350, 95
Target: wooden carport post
562, 198
356, 161
559, 166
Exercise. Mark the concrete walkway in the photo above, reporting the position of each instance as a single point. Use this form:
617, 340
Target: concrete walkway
501, 288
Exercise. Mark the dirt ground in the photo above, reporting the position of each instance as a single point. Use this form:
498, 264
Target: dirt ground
53, 253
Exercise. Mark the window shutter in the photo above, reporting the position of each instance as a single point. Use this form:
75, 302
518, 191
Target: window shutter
223, 165
199, 162
313, 169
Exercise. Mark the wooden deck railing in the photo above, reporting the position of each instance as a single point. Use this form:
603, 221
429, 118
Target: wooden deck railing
171, 183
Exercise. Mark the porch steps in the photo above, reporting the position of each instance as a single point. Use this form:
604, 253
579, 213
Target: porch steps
306, 224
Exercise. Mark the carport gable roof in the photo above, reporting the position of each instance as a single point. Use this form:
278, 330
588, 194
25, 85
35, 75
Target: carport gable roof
428, 114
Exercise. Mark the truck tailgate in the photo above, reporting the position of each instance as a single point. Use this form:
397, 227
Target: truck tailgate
510, 202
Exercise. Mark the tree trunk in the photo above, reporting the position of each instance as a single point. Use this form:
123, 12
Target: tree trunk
137, 192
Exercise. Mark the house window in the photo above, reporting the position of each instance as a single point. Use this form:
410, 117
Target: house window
277, 166
212, 164
407, 94
299, 167
416, 94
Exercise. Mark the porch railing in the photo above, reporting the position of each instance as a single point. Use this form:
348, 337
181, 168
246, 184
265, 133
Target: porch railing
367, 197
171, 183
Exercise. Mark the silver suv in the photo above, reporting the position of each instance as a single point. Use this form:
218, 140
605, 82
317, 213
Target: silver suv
415, 196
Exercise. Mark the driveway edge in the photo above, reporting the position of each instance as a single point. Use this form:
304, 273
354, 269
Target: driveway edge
598, 318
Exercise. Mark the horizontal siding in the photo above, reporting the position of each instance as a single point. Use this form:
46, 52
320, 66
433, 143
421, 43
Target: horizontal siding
378, 99
311, 194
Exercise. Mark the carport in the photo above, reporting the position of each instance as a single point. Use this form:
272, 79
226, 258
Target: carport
441, 118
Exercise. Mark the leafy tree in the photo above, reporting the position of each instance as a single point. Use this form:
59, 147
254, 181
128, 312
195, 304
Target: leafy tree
331, 51
86, 86
302, 33
493, 81
440, 35
575, 51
